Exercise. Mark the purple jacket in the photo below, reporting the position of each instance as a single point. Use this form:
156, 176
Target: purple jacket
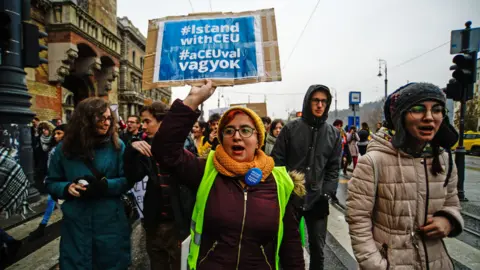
222, 243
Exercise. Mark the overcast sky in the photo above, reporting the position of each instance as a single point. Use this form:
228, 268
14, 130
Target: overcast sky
340, 47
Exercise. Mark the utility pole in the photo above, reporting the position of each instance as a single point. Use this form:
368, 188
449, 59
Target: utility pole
19, 48
461, 89
336, 110
380, 62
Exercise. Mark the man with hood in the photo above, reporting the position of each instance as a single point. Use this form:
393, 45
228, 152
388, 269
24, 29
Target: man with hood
314, 147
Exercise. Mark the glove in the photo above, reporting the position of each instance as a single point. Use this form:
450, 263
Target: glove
94, 189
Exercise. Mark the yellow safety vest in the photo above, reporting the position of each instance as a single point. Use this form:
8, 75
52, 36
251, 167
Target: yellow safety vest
284, 189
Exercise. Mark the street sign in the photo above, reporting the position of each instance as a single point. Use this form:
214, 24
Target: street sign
354, 121
354, 98
456, 41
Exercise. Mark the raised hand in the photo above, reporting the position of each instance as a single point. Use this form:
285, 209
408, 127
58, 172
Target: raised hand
198, 94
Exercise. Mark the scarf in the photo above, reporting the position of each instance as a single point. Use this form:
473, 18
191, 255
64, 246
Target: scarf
45, 142
227, 166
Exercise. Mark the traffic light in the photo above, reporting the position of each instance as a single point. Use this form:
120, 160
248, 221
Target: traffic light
5, 35
32, 46
454, 90
464, 72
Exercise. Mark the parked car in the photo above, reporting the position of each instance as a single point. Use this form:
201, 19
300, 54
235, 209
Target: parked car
471, 142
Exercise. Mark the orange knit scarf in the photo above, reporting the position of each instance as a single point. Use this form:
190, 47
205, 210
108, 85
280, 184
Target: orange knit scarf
229, 167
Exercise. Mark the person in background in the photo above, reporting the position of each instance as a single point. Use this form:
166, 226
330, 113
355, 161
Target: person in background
133, 129
57, 122
210, 140
13, 196
41, 151
58, 134
312, 146
352, 139
35, 134
402, 199
267, 121
364, 136
197, 133
272, 135
338, 124
243, 217
86, 171
164, 228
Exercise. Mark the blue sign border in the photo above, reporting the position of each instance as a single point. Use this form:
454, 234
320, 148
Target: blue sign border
350, 95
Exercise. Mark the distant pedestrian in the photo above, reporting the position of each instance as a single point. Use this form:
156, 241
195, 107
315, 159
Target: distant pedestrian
352, 141
364, 138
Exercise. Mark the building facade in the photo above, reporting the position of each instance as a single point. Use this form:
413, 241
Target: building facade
131, 97
85, 54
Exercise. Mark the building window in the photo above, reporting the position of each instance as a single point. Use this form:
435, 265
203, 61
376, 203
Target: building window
141, 62
133, 57
83, 4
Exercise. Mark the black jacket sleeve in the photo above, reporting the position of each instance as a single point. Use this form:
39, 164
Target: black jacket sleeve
135, 165
332, 168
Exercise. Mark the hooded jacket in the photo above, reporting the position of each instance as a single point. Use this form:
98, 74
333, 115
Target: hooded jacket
382, 221
313, 147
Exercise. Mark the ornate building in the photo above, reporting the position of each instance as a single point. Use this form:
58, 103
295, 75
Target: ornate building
86, 49
130, 96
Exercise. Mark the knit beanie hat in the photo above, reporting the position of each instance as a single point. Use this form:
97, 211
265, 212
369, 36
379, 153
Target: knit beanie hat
400, 101
257, 121
61, 127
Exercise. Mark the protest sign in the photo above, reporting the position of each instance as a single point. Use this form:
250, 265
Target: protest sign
229, 48
139, 191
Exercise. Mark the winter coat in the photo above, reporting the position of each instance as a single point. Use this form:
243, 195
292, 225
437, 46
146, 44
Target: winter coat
95, 233
13, 183
223, 241
158, 202
269, 143
313, 147
352, 144
407, 194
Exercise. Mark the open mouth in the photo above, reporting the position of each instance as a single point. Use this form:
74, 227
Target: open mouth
426, 130
237, 149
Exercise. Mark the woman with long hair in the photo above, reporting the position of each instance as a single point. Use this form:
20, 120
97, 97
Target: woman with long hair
272, 135
86, 171
244, 216
402, 199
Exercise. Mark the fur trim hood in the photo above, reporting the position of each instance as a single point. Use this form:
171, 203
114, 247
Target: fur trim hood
298, 179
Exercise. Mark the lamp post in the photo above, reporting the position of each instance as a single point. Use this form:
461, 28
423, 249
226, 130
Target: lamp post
380, 62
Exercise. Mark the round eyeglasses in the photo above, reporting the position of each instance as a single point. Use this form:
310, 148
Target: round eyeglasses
245, 132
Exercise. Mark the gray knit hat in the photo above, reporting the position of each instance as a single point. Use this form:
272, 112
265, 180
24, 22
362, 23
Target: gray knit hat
403, 99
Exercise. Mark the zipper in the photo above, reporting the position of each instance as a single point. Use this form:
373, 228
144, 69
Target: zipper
208, 252
265, 256
243, 226
426, 212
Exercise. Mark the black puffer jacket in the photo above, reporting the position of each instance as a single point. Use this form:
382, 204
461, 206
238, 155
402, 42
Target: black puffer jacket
311, 146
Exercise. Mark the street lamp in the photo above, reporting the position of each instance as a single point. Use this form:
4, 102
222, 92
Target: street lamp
380, 62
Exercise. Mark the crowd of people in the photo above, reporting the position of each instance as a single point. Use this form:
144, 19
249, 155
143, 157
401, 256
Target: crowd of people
240, 185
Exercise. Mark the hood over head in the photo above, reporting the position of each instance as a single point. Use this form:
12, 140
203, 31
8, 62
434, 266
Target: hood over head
307, 114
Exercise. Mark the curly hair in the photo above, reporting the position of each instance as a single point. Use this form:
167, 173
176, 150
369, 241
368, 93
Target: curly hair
81, 136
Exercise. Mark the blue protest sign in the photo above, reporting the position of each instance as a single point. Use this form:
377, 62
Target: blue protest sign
220, 48
229, 48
